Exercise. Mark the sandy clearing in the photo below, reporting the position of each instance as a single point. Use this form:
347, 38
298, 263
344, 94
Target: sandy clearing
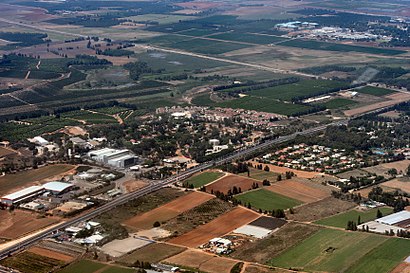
216, 228
381, 169
397, 183
168, 211
133, 185
392, 100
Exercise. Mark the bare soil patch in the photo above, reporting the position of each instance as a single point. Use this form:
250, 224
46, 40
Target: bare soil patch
74, 131
203, 261
227, 183
168, 211
320, 209
400, 166
263, 250
18, 223
402, 268
51, 254
152, 253
297, 190
277, 169
6, 152
398, 183
134, 185
216, 228
392, 100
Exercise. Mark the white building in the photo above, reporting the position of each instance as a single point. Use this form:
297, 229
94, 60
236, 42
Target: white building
22, 195
116, 158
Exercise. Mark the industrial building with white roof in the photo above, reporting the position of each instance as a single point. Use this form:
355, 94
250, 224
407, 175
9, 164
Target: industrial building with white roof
116, 158
29, 193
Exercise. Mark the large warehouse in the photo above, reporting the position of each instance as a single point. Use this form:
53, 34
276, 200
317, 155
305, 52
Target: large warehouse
32, 192
113, 157
22, 195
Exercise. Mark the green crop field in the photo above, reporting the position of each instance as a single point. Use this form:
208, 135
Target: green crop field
86, 266
340, 220
383, 258
375, 91
248, 38
338, 103
207, 46
91, 118
335, 251
28, 262
203, 179
267, 200
203, 100
261, 174
197, 32
304, 88
265, 105
317, 45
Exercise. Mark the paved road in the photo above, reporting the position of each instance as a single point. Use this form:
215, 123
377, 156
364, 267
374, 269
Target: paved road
158, 185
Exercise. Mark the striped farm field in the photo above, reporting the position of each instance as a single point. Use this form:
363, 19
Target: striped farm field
168, 211
216, 228
298, 190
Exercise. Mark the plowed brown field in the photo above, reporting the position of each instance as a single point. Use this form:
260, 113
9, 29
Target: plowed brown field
168, 211
216, 228
51, 254
297, 190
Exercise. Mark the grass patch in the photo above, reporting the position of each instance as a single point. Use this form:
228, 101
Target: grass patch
329, 250
261, 175
203, 100
317, 45
248, 38
383, 258
338, 103
375, 91
265, 105
86, 266
340, 220
304, 88
202, 179
267, 200
207, 46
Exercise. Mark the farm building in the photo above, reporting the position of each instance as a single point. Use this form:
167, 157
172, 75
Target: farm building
399, 219
116, 158
57, 188
22, 195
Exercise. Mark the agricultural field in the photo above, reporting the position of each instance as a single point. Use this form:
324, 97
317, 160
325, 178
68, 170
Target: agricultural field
375, 91
51, 254
265, 105
152, 253
283, 170
168, 211
320, 209
382, 169
197, 216
267, 200
203, 179
13, 182
89, 117
28, 262
228, 182
402, 184
298, 189
260, 174
303, 88
87, 266
248, 38
216, 228
340, 220
261, 251
317, 45
334, 250
6, 152
19, 222
205, 262
159, 18
338, 103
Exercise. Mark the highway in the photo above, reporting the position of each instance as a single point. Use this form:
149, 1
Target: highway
158, 185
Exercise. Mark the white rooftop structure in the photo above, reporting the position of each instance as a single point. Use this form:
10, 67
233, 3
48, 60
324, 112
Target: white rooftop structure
117, 158
57, 187
22, 195
39, 140
254, 231
394, 218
